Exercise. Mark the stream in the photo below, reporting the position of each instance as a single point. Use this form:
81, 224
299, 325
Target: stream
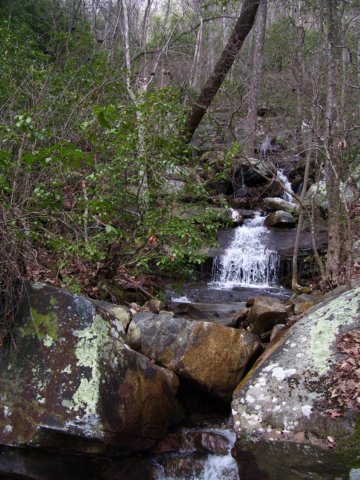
247, 267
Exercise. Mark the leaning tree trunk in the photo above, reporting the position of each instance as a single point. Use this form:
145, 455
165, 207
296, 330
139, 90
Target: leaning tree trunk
233, 46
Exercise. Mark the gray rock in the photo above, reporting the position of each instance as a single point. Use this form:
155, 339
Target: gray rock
317, 193
281, 406
280, 219
276, 203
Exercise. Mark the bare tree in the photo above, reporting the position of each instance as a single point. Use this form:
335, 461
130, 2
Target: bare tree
233, 46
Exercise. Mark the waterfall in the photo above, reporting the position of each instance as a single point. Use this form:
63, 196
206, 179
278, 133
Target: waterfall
247, 262
285, 182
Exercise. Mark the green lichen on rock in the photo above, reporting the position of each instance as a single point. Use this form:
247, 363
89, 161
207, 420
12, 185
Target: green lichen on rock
328, 319
44, 326
92, 340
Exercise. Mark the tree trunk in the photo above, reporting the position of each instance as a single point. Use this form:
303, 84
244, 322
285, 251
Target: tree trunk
233, 46
256, 76
331, 175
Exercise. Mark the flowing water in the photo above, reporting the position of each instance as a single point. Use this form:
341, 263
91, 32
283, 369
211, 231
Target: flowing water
286, 183
214, 466
247, 262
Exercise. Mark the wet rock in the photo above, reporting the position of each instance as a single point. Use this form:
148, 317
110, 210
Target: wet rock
280, 219
244, 212
213, 357
34, 464
193, 440
281, 409
235, 216
228, 314
73, 384
276, 203
265, 312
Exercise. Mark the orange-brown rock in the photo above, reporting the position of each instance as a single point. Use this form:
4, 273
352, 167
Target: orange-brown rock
213, 357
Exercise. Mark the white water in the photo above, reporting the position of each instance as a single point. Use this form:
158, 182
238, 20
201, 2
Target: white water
285, 182
216, 467
247, 262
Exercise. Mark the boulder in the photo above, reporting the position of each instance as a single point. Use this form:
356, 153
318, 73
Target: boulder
304, 301
265, 312
317, 194
252, 172
288, 406
212, 357
276, 203
235, 216
154, 305
121, 313
280, 219
73, 383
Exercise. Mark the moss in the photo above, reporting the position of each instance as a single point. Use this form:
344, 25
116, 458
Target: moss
349, 448
43, 326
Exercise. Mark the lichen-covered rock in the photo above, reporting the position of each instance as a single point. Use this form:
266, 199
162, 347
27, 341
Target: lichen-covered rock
280, 219
265, 312
212, 356
72, 381
282, 406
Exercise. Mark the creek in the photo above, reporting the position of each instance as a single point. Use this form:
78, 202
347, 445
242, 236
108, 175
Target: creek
248, 266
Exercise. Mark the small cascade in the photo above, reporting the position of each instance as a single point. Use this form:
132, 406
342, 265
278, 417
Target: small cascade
214, 466
247, 262
286, 183
222, 466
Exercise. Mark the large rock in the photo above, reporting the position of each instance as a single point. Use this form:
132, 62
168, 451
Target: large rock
73, 383
276, 203
265, 313
280, 219
211, 356
305, 301
252, 172
317, 194
283, 408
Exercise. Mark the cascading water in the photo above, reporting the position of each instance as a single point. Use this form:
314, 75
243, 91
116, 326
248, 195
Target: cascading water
247, 262
285, 181
215, 466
